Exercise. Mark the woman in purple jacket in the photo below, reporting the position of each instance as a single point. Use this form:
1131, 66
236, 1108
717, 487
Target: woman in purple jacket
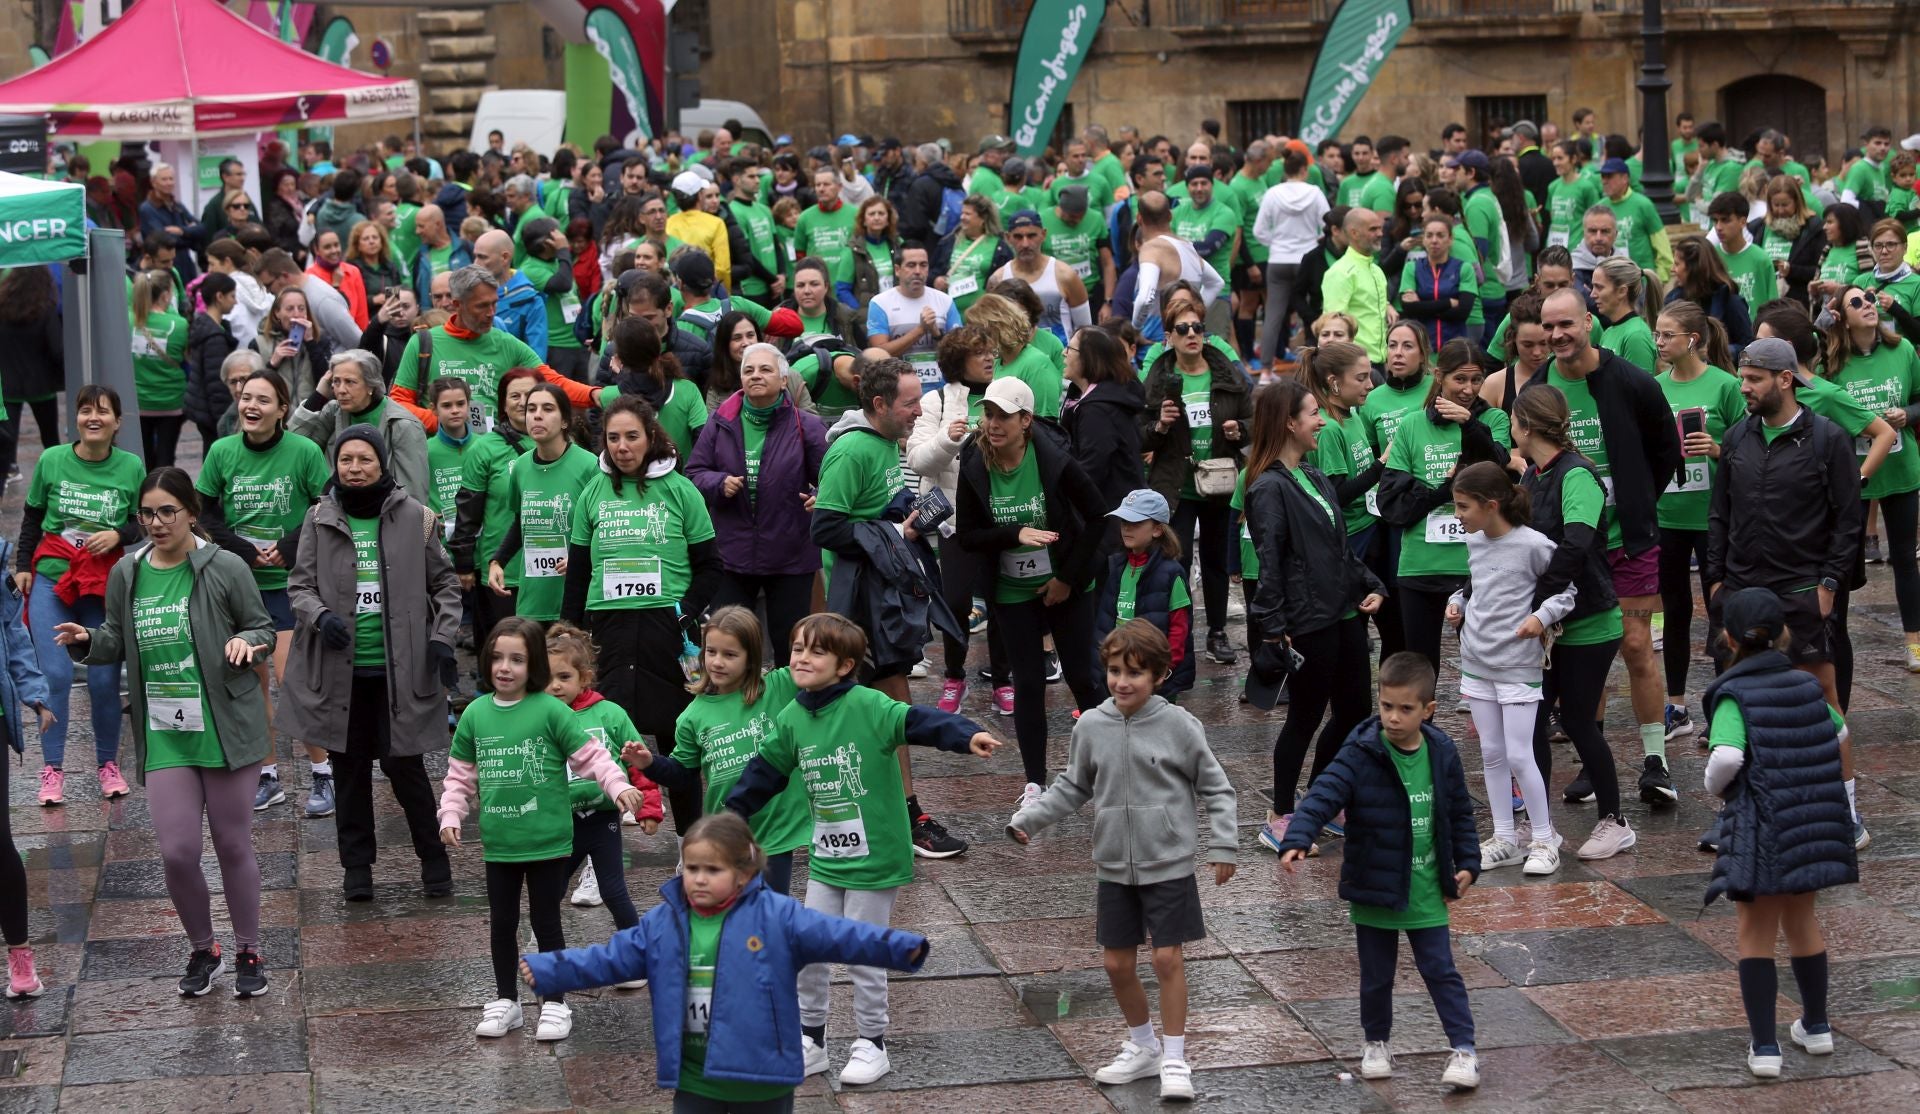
757, 462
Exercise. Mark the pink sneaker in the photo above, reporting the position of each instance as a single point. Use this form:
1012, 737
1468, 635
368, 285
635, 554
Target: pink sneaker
951, 691
53, 785
1003, 700
111, 783
22, 980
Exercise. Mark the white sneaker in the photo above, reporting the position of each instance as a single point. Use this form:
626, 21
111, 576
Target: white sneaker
812, 1055
1816, 1044
1376, 1060
1496, 853
629, 820
1029, 796
1176, 1081
556, 1022
921, 669
587, 893
1133, 1063
631, 984
1764, 1065
1463, 1071
866, 1062
498, 1018
1543, 856
1610, 837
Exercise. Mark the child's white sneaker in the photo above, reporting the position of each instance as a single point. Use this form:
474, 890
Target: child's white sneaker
866, 1062
1376, 1060
587, 893
1176, 1081
1815, 1044
1463, 1071
1764, 1065
812, 1055
498, 1018
556, 1022
1133, 1063
1543, 857
631, 984
1496, 853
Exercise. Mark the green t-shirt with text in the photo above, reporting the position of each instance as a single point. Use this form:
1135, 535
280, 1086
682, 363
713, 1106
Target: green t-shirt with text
843, 755
264, 494
719, 733
1426, 901
179, 730
1015, 498
1583, 502
519, 753
1683, 506
828, 237
543, 494
1885, 379
1426, 450
159, 382
859, 477
1751, 269
487, 467
479, 362
82, 496
369, 600
638, 538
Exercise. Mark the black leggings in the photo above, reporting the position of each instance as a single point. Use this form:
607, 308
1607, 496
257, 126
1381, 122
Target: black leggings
1423, 613
46, 415
159, 438
13, 874
1382, 554
789, 597
1676, 600
639, 669
1901, 513
1215, 524
1333, 671
546, 881
1576, 680
960, 582
596, 836
1023, 628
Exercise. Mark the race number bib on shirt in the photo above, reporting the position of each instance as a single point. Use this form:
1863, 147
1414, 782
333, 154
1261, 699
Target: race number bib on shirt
1026, 564
1084, 269
76, 536
1557, 238
631, 578
1445, 528
366, 597
1606, 484
1200, 413
1692, 476
959, 286
1373, 501
839, 832
1862, 445
699, 1008
480, 419
175, 706
545, 557
569, 307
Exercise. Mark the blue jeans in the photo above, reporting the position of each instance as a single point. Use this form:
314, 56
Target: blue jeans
44, 612
1433, 955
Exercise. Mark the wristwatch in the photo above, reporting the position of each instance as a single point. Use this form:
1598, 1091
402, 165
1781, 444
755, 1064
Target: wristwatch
1830, 584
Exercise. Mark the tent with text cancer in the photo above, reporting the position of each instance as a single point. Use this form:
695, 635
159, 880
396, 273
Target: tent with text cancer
176, 69
40, 222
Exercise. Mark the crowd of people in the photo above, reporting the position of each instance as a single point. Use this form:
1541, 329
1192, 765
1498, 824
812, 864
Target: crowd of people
699, 444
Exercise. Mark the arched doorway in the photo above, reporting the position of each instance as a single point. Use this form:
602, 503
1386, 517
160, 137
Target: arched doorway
1789, 104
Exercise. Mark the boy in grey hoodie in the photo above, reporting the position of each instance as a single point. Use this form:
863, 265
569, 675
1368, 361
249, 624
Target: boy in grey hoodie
1143, 763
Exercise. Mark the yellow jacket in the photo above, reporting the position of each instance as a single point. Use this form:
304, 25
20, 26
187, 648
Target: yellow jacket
708, 233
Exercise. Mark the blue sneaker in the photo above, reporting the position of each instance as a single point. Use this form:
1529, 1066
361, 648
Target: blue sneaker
1336, 827
269, 793
1679, 723
1274, 832
320, 799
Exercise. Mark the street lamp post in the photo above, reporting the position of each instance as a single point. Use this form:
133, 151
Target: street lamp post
1656, 175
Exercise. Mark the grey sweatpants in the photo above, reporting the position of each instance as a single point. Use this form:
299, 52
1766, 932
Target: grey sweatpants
869, 983
176, 800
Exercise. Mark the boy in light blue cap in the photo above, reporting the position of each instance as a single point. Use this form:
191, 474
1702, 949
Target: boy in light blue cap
1147, 580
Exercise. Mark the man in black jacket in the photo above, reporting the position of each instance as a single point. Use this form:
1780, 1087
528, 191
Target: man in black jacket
920, 211
1621, 422
1536, 169
1785, 516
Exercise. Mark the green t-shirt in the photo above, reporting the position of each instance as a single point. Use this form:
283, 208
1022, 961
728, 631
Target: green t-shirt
1352, 187
1099, 192
264, 495
440, 260
543, 494
829, 237
638, 539
718, 734
406, 241
1386, 406
756, 224
1582, 502
1588, 439
608, 724
1840, 263
967, 268
1867, 180
562, 309
486, 467
1129, 587
369, 637
843, 755
1194, 224
159, 383
1638, 221
1076, 245
1249, 553
1678, 150
446, 461
1827, 399
1343, 450
1426, 903
753, 438
1247, 195
1016, 498
1882, 380
1379, 195
1427, 451
1631, 339
703, 953
859, 476
1683, 506
1480, 215
479, 362
519, 753
82, 496
1729, 728
1751, 269
179, 728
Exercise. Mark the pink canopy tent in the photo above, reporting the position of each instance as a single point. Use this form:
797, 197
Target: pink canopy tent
138, 80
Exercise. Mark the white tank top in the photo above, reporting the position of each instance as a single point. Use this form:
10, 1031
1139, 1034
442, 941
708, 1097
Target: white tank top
1047, 286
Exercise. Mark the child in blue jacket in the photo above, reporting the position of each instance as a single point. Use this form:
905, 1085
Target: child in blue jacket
21, 684
1412, 848
723, 956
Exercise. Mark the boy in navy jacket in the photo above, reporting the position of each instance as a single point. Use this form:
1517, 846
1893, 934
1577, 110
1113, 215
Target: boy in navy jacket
1411, 848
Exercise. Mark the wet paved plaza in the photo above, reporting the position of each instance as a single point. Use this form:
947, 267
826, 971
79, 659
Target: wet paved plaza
1602, 988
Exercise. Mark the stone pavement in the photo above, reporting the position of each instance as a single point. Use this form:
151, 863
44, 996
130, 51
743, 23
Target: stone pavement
1603, 988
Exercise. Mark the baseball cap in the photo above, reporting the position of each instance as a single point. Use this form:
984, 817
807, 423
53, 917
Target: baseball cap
1753, 614
1615, 166
1025, 218
1073, 199
1911, 143
820, 154
782, 140
688, 182
847, 140
694, 269
889, 143
1773, 354
1525, 129
784, 322
1474, 160
702, 171
1197, 171
995, 142
1010, 395
1142, 505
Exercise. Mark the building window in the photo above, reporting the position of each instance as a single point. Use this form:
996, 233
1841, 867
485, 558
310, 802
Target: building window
1486, 116
1251, 120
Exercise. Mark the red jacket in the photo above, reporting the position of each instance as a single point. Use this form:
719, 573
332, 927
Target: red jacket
86, 573
651, 810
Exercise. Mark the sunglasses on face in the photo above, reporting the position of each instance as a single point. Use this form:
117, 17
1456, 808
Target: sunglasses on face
1189, 329
1857, 302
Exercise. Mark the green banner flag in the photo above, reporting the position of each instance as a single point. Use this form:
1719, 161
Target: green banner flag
611, 38
337, 41
1053, 45
40, 222
1359, 38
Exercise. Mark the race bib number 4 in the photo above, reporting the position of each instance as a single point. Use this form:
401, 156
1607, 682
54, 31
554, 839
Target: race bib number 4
1026, 564
1445, 528
839, 832
631, 578
545, 558
175, 706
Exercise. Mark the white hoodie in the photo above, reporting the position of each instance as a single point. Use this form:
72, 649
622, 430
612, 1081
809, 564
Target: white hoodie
1289, 220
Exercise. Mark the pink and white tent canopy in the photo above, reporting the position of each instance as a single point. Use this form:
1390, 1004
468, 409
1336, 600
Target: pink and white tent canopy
173, 69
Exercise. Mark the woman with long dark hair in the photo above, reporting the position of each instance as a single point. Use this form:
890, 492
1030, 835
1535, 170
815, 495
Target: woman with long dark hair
1699, 276
32, 360
484, 505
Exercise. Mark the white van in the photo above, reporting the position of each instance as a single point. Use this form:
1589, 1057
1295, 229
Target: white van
713, 114
538, 118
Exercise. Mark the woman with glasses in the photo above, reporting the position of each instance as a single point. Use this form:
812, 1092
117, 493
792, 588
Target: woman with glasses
1893, 282
186, 618
79, 514
1198, 410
